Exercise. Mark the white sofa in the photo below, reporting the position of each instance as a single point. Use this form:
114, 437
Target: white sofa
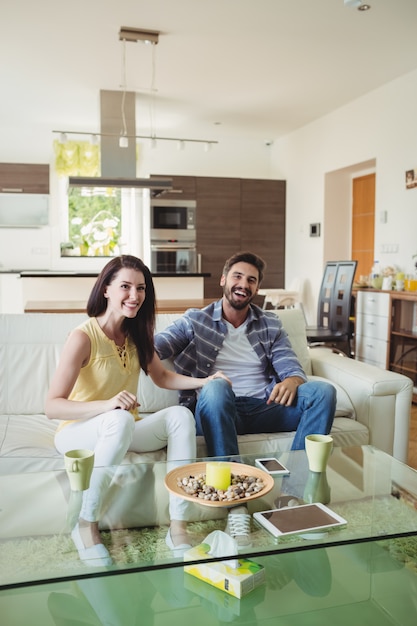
373, 407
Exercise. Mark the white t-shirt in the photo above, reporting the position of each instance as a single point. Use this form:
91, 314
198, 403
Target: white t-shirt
239, 362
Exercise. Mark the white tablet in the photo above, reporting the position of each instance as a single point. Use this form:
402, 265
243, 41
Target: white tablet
298, 519
272, 466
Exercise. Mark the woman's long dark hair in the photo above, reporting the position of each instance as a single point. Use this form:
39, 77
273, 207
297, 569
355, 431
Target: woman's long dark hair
141, 328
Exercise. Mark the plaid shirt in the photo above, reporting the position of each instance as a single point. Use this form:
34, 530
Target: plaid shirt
194, 340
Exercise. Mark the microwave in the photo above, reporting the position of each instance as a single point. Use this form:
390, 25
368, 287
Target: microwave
173, 219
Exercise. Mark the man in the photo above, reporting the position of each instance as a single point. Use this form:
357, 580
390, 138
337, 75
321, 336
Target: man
268, 389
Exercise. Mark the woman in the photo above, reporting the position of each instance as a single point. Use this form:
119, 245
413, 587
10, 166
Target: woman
94, 391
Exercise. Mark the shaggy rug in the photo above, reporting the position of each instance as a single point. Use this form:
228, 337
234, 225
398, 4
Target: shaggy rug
35, 558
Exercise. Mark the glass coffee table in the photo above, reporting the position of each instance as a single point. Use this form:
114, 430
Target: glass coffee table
365, 570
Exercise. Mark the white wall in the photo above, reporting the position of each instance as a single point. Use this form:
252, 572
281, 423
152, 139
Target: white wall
379, 128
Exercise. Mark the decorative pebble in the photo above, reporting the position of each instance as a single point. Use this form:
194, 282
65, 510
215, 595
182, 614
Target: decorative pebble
242, 486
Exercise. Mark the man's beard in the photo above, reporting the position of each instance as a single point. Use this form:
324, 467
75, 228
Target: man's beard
238, 306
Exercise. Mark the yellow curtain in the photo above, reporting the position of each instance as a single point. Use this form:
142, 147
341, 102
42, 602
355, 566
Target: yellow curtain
77, 158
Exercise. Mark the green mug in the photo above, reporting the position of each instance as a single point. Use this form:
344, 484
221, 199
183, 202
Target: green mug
79, 467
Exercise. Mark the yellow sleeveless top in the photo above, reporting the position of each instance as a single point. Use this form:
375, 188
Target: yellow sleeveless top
109, 370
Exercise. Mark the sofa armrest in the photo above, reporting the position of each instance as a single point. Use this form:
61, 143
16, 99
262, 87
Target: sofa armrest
382, 399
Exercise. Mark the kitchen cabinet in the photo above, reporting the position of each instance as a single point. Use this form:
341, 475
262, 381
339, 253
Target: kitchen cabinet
235, 214
218, 227
24, 195
24, 178
183, 188
263, 226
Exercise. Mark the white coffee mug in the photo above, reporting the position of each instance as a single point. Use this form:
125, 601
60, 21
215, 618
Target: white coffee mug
79, 466
318, 449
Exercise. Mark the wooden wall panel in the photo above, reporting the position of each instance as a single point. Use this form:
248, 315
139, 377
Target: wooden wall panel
236, 214
218, 227
263, 226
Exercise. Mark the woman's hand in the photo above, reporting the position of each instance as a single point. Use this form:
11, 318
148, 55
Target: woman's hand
218, 374
123, 400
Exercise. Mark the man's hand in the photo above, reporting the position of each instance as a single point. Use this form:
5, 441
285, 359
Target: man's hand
285, 391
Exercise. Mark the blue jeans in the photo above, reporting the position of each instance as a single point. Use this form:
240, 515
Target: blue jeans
221, 416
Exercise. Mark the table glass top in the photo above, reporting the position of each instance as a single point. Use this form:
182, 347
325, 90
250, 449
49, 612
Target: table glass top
373, 492
362, 583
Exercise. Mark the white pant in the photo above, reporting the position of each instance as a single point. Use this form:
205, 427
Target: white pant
114, 433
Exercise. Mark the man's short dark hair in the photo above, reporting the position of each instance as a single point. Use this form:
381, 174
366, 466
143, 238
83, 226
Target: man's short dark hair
246, 257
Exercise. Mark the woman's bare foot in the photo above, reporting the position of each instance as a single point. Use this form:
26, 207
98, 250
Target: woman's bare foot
178, 532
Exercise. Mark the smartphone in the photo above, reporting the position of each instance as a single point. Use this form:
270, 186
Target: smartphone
272, 466
298, 519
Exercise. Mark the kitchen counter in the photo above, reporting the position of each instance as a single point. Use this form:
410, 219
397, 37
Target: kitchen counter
9, 271
20, 288
75, 286
79, 306
79, 274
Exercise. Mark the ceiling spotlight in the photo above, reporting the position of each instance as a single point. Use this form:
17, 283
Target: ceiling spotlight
364, 7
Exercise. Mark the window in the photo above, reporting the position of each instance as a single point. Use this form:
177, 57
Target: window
100, 221
94, 221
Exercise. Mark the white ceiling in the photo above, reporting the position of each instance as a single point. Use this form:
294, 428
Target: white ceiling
223, 68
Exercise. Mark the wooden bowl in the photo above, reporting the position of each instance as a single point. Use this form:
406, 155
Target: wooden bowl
194, 469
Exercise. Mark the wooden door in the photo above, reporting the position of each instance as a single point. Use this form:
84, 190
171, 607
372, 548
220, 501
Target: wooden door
363, 223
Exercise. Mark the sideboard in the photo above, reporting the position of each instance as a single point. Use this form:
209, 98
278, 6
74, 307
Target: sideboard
386, 330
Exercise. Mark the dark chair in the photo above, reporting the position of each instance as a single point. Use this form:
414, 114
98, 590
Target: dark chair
334, 327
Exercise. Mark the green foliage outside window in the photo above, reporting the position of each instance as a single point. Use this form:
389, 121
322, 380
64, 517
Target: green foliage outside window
94, 219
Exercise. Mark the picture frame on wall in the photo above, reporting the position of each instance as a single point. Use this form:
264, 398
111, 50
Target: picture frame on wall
411, 178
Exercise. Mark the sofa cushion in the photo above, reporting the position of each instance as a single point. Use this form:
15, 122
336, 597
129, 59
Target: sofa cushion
294, 323
28, 358
344, 406
28, 436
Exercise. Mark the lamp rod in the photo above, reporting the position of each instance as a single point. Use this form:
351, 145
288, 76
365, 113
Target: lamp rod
81, 132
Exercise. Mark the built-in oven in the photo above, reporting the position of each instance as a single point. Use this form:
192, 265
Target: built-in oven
173, 220
173, 236
173, 257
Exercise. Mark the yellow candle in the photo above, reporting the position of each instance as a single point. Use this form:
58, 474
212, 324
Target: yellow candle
218, 475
